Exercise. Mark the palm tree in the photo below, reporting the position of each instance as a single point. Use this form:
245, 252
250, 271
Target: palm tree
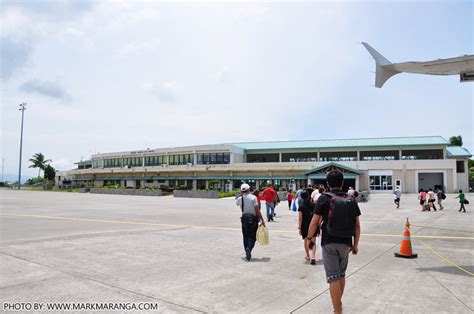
39, 162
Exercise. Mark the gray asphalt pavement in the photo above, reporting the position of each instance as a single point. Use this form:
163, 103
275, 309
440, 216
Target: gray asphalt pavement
187, 256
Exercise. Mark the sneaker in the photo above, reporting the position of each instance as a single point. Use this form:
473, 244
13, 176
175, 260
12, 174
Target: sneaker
248, 256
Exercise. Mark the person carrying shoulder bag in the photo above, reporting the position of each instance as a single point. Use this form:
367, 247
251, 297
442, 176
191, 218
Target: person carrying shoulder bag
251, 214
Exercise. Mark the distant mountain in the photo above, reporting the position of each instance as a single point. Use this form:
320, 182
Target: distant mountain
14, 178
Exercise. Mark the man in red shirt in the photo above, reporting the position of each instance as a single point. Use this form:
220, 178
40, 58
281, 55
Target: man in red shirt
269, 196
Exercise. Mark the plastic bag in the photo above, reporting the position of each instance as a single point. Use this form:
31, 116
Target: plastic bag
293, 207
262, 235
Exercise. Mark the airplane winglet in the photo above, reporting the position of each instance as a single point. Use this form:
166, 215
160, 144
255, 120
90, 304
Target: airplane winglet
382, 70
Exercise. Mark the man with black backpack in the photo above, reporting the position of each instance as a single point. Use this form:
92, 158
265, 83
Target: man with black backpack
339, 214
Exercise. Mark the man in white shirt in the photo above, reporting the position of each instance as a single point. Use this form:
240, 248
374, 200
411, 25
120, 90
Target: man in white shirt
397, 194
315, 194
250, 207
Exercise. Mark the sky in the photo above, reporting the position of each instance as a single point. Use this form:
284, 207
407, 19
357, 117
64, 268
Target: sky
105, 76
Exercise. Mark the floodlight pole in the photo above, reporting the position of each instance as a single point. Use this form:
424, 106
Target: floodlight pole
22, 109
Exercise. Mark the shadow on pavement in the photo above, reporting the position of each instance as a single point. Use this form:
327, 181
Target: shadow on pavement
263, 259
450, 270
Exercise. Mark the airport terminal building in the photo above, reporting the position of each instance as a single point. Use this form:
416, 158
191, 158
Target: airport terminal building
377, 165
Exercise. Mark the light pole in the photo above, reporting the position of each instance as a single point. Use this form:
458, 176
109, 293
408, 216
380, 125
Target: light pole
3, 166
22, 109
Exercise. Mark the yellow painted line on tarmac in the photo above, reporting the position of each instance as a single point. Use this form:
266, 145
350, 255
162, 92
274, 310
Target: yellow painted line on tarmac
445, 258
211, 227
446, 229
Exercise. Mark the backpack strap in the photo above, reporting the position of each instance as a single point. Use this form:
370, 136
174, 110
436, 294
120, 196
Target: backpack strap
330, 194
242, 203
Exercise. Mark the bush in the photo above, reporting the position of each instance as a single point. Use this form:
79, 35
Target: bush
34, 181
226, 194
181, 187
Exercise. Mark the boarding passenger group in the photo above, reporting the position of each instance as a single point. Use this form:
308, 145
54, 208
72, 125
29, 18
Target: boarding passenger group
333, 214
327, 211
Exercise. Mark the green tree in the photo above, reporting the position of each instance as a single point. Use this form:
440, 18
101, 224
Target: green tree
455, 140
39, 162
49, 173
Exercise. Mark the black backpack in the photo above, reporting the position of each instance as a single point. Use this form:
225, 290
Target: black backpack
443, 196
342, 215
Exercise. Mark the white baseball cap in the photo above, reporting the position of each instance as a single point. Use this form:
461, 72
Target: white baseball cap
244, 187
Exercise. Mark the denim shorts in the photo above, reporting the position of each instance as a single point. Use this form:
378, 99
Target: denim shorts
335, 258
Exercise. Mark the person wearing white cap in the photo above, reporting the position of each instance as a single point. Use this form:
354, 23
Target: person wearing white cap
248, 203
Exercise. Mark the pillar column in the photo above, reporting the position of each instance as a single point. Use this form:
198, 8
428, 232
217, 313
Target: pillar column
194, 185
207, 184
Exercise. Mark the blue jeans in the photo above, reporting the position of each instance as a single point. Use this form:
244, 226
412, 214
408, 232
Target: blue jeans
270, 210
249, 230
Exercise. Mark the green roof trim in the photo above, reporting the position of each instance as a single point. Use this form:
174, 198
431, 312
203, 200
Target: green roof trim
332, 163
321, 176
457, 151
345, 143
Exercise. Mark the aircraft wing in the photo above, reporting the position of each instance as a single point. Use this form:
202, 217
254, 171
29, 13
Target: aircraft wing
464, 66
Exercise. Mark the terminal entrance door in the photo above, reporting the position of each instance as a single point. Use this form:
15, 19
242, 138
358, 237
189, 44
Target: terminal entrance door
430, 180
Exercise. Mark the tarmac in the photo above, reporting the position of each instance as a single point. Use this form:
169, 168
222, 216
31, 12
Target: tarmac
187, 256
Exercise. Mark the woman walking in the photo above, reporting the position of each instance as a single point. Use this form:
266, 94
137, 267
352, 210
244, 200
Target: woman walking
431, 199
422, 198
305, 214
290, 198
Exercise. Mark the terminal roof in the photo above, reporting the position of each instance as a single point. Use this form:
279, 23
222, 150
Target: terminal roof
346, 143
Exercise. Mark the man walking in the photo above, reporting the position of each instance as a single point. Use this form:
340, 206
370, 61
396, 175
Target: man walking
299, 200
340, 215
269, 196
250, 207
396, 196
440, 197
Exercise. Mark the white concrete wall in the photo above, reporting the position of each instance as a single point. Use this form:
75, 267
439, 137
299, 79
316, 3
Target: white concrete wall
463, 181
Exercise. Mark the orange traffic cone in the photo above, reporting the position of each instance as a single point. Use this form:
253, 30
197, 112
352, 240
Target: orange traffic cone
405, 247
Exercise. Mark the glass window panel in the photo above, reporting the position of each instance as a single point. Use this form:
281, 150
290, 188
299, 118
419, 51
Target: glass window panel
376, 180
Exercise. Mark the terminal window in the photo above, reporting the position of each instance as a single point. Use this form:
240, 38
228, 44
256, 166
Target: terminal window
338, 156
380, 183
263, 157
299, 157
380, 155
460, 166
213, 158
422, 154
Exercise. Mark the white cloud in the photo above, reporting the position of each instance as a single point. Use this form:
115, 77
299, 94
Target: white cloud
166, 92
46, 88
